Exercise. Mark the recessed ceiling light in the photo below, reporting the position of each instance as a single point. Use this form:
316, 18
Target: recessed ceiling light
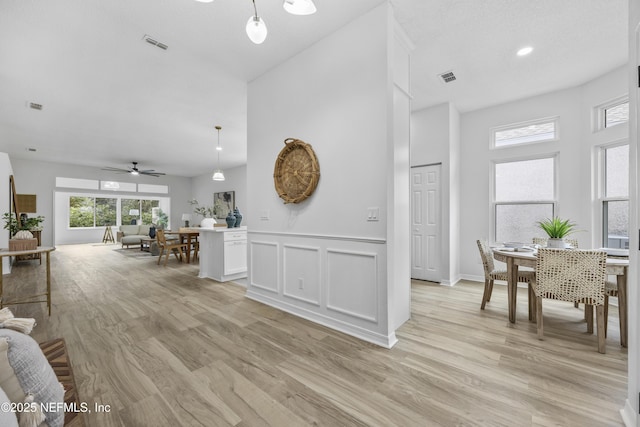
525, 51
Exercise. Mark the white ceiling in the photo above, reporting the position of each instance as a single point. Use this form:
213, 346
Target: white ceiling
110, 98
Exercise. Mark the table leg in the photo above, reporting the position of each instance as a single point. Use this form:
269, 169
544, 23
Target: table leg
512, 288
188, 248
622, 305
49, 281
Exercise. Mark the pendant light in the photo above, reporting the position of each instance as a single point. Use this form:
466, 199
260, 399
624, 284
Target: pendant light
217, 174
256, 28
299, 7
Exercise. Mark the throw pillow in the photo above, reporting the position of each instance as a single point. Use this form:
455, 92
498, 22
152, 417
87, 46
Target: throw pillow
26, 376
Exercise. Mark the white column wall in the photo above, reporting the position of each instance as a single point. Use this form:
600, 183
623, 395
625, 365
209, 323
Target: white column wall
630, 410
321, 259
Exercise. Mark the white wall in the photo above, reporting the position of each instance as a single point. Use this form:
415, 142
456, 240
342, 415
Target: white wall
321, 259
235, 180
435, 138
39, 178
5, 172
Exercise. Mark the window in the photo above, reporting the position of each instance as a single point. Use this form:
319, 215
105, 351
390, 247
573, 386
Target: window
611, 113
615, 197
524, 194
616, 114
525, 133
91, 212
144, 208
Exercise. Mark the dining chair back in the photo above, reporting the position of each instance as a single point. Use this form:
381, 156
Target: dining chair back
491, 273
168, 246
574, 276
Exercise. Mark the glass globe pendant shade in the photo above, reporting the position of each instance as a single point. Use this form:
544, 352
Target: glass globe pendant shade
218, 175
299, 7
256, 29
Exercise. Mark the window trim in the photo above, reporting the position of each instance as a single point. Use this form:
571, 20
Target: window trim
494, 130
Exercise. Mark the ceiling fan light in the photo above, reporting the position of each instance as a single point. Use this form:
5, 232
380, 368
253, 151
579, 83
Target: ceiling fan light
134, 173
218, 175
256, 29
205, 1
299, 7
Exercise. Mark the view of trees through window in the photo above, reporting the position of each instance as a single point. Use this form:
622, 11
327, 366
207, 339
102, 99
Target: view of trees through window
101, 211
144, 208
91, 211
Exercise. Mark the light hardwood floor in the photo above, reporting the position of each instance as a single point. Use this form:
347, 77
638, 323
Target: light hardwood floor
164, 348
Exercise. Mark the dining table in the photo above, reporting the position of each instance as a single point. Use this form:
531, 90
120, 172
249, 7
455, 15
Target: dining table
526, 257
187, 236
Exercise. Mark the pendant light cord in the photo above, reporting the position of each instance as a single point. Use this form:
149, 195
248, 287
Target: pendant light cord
255, 9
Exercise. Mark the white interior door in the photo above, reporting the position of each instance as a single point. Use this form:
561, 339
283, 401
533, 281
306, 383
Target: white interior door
426, 223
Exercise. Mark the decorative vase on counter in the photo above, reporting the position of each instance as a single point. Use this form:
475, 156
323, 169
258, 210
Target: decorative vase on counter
207, 222
231, 220
238, 216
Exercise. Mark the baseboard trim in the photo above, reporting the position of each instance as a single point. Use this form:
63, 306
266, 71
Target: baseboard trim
628, 415
355, 331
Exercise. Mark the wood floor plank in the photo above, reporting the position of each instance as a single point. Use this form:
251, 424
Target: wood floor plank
163, 347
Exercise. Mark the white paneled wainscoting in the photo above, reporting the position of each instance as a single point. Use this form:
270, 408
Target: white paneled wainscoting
336, 281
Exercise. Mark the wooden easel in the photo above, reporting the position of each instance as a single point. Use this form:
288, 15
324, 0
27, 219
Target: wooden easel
108, 235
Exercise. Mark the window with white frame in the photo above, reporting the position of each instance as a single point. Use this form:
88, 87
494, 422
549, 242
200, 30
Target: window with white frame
524, 193
533, 131
85, 212
612, 113
615, 196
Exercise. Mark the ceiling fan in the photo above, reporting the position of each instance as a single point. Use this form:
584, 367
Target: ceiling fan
134, 170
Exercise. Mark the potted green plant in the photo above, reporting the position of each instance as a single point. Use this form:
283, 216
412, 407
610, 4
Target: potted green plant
207, 213
13, 224
557, 229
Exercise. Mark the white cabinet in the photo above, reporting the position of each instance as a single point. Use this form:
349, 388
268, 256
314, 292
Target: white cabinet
223, 253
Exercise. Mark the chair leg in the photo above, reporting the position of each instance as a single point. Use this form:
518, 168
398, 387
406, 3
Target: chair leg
576, 304
490, 290
532, 304
606, 314
539, 317
601, 331
588, 314
160, 256
487, 293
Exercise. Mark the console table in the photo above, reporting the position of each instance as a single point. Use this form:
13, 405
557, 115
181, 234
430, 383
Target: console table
28, 299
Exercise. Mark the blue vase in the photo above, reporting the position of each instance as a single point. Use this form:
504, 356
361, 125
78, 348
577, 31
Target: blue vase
238, 216
152, 232
231, 220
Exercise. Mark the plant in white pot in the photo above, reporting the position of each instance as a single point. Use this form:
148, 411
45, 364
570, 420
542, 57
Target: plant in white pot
207, 213
557, 229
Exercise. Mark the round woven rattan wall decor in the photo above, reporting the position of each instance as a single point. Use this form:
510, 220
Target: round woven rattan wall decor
297, 172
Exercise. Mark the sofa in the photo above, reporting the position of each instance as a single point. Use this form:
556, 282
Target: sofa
132, 234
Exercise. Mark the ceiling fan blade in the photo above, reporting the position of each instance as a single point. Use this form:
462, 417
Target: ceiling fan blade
151, 173
116, 169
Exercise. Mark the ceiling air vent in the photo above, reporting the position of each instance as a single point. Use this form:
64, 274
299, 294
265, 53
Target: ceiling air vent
448, 77
34, 106
155, 42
